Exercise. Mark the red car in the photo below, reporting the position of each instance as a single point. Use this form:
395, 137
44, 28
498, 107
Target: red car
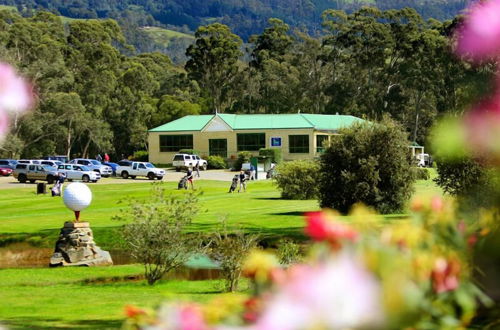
4, 171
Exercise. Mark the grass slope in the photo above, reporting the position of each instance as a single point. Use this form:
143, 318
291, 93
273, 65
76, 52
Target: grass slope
24, 214
164, 36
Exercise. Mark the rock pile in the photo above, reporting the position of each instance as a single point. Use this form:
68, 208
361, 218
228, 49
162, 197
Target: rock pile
76, 247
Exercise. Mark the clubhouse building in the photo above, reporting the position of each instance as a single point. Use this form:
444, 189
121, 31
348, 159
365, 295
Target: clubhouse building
299, 136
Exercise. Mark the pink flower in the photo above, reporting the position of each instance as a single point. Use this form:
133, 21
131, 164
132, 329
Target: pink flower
180, 317
479, 36
322, 227
15, 92
340, 294
445, 275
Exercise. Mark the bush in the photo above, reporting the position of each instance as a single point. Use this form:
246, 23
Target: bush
155, 235
273, 153
367, 163
298, 179
460, 176
230, 248
216, 162
140, 156
243, 157
288, 252
421, 173
189, 151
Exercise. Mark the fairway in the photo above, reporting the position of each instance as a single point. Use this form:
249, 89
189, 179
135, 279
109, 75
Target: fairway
24, 214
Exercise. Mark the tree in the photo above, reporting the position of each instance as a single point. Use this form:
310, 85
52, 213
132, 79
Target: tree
273, 43
357, 168
155, 234
213, 62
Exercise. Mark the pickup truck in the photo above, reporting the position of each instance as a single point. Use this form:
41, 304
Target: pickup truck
182, 161
33, 172
135, 169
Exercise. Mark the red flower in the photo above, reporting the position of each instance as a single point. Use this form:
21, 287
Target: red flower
131, 311
322, 227
445, 275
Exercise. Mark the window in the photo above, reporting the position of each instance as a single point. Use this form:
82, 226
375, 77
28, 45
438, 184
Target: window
217, 147
175, 142
298, 144
251, 141
320, 140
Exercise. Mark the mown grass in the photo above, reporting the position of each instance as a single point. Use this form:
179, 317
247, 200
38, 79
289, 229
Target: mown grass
164, 36
64, 298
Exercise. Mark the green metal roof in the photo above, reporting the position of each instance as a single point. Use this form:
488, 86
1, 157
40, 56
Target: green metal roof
264, 121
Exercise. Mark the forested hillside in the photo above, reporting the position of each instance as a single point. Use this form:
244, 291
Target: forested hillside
244, 17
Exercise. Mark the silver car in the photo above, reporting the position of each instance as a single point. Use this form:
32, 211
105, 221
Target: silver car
78, 172
94, 165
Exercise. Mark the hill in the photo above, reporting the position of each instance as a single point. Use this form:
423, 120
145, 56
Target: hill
245, 17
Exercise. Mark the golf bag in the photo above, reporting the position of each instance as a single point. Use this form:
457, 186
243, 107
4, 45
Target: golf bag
234, 184
182, 183
56, 189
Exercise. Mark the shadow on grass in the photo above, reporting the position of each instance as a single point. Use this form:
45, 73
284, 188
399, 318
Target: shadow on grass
40, 323
268, 198
292, 213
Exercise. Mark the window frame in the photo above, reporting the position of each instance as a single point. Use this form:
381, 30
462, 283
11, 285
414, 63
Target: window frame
175, 146
260, 143
319, 146
303, 149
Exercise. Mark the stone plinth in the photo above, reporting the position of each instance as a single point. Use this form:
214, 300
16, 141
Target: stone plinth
76, 247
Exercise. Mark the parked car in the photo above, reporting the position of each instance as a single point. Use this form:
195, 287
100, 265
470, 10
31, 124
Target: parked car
53, 163
8, 163
29, 161
60, 158
113, 166
78, 172
182, 161
94, 165
140, 169
33, 172
5, 171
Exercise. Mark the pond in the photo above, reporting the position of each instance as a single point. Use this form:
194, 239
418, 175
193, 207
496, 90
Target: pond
24, 255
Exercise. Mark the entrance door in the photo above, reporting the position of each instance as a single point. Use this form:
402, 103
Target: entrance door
217, 147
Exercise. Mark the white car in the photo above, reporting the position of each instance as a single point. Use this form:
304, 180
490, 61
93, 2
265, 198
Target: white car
78, 172
135, 169
53, 163
94, 165
182, 161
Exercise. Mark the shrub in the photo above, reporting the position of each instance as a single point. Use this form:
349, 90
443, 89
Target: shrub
460, 176
421, 173
189, 151
216, 162
298, 179
273, 153
140, 156
288, 252
367, 163
230, 248
155, 234
243, 157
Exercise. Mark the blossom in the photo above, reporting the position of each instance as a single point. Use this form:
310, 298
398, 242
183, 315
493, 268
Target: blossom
15, 92
179, 317
132, 311
322, 227
445, 275
260, 265
479, 36
339, 294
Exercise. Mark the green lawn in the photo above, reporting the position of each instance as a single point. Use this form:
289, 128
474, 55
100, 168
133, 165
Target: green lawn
163, 36
24, 214
81, 298
93, 298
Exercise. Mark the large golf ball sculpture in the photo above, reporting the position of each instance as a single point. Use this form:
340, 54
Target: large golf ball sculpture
77, 197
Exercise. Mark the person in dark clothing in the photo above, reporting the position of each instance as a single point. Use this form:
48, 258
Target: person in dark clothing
189, 177
197, 168
243, 183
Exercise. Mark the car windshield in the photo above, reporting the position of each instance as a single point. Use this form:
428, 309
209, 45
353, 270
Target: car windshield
84, 168
48, 168
149, 165
95, 162
179, 157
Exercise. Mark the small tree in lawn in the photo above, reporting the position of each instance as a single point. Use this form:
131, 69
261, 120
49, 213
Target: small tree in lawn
367, 163
229, 247
155, 235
